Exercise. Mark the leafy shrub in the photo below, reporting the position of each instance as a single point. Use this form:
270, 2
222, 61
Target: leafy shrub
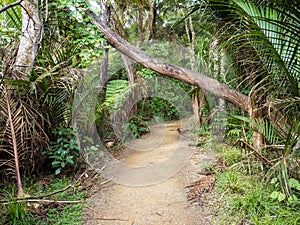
65, 150
138, 126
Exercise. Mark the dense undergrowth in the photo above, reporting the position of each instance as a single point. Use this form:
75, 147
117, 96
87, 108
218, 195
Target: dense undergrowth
64, 207
244, 195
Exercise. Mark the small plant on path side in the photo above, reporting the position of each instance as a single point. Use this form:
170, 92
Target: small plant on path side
65, 150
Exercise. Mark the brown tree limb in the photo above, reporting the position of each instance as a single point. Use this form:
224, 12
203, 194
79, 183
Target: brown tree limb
52, 193
188, 76
39, 198
10, 5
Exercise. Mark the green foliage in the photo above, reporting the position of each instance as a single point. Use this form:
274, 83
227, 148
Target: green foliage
116, 92
11, 24
280, 195
231, 155
20, 214
238, 128
64, 151
67, 27
281, 147
14, 213
157, 107
249, 198
138, 126
254, 205
167, 103
204, 130
69, 214
17, 214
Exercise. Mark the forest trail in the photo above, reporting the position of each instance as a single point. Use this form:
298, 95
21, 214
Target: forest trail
157, 204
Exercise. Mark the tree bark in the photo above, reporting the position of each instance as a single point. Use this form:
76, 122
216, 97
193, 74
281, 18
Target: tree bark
191, 77
189, 28
32, 27
128, 62
150, 27
140, 25
105, 17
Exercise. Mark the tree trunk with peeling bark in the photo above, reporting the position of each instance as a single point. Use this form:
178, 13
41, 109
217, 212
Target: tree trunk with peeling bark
32, 28
208, 84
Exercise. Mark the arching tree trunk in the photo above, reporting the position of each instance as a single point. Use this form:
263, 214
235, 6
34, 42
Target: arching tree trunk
211, 85
32, 28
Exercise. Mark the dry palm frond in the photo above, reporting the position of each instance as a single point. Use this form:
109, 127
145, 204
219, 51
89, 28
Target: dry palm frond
199, 187
21, 133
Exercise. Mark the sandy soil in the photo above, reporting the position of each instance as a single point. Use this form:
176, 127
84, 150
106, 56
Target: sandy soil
161, 203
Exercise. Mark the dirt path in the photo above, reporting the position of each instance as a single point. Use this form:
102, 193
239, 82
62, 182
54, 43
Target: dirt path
157, 204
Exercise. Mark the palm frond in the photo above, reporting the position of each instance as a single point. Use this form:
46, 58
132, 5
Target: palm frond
13, 15
281, 42
20, 120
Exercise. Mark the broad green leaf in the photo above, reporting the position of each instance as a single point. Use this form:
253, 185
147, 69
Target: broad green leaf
58, 171
294, 184
281, 197
274, 194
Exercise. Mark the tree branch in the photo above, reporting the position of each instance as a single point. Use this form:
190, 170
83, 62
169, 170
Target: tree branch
258, 154
43, 201
208, 84
10, 5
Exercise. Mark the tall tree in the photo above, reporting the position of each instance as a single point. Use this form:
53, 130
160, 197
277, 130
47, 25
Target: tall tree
32, 28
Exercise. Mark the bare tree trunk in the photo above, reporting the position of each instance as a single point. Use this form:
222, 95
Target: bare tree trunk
192, 41
151, 21
32, 28
154, 12
131, 72
105, 17
140, 25
128, 63
208, 84
258, 137
189, 28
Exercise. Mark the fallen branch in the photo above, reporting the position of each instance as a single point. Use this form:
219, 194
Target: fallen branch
42, 201
38, 198
52, 193
94, 210
10, 5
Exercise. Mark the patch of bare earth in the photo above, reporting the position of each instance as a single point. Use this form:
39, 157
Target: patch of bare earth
157, 204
